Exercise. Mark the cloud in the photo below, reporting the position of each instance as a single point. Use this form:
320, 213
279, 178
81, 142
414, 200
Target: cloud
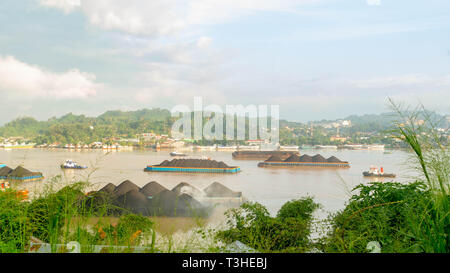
204, 42
21, 79
402, 81
66, 5
162, 17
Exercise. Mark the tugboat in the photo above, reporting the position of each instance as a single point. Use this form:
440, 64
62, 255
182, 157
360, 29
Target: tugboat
374, 172
70, 164
177, 154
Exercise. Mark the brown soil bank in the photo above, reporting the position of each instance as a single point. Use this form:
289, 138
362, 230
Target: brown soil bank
262, 154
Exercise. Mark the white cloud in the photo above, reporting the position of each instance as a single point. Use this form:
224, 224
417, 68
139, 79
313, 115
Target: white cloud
204, 42
161, 17
28, 81
402, 81
66, 5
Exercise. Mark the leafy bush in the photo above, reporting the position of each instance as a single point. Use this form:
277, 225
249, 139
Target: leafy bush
302, 208
380, 212
14, 228
253, 225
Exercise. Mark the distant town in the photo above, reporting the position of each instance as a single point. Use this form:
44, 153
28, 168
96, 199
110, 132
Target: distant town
116, 130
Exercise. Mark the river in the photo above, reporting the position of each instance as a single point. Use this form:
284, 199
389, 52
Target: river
271, 187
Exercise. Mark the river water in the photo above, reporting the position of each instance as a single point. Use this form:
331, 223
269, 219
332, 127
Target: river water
271, 187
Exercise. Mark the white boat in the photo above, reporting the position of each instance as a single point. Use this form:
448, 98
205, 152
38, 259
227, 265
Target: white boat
354, 146
177, 154
70, 164
248, 148
332, 147
288, 148
207, 148
377, 147
227, 148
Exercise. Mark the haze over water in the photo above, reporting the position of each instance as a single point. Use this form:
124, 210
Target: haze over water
271, 187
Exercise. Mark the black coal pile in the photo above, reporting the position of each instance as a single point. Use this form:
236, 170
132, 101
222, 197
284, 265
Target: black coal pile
333, 159
151, 200
125, 187
109, 188
319, 159
184, 187
292, 158
195, 163
218, 190
5, 171
133, 201
21, 172
305, 158
152, 188
274, 158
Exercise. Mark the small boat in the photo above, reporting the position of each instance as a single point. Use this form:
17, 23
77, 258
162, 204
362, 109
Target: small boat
374, 172
177, 154
70, 164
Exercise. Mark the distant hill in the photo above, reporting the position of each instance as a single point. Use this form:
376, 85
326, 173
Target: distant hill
378, 122
73, 128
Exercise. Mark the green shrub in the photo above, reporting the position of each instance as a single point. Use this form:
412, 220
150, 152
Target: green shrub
288, 232
14, 227
302, 208
379, 212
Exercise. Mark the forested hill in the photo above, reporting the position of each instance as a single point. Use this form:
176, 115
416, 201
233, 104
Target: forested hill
72, 128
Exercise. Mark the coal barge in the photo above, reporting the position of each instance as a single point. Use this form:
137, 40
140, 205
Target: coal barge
19, 174
262, 154
304, 161
192, 166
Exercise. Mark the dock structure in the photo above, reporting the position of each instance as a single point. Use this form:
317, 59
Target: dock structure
304, 161
193, 166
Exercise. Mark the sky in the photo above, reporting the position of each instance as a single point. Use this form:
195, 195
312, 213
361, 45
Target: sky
316, 59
